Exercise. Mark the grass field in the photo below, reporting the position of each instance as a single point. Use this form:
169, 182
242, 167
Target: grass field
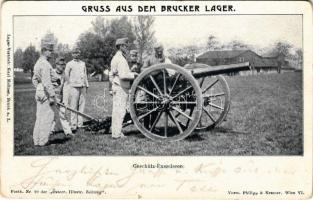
265, 119
22, 78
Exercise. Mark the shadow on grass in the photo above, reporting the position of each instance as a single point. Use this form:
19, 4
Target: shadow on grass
99, 132
135, 133
194, 137
228, 131
59, 140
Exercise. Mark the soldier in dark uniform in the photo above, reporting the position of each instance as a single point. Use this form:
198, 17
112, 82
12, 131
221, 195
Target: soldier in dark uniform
156, 58
58, 83
134, 64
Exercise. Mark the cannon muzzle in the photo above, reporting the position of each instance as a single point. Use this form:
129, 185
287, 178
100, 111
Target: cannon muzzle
202, 70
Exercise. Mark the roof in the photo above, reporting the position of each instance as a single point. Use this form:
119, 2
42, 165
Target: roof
258, 61
221, 54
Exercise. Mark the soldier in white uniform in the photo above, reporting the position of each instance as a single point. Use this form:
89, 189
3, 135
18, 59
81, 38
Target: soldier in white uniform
58, 83
121, 77
45, 96
77, 83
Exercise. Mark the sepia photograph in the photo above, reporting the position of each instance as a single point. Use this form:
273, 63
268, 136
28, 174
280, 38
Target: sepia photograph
156, 100
158, 85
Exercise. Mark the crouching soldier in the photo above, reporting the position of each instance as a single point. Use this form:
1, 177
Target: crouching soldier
58, 83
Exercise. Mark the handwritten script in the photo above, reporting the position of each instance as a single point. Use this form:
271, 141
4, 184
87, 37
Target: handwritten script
46, 173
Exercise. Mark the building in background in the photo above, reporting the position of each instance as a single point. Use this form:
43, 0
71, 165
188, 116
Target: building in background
258, 63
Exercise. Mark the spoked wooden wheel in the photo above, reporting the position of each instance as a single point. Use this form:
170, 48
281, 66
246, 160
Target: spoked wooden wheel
216, 101
165, 102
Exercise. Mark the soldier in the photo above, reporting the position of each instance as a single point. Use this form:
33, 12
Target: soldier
45, 96
134, 63
121, 77
58, 83
156, 58
77, 83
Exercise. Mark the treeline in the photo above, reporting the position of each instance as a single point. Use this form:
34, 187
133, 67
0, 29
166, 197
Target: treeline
97, 45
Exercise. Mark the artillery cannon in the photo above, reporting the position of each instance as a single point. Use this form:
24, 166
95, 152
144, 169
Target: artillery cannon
168, 102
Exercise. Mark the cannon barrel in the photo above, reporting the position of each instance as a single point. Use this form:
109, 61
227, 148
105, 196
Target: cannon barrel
202, 70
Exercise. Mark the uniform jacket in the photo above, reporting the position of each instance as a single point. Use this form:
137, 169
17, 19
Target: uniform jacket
135, 67
76, 72
152, 60
42, 79
58, 83
120, 72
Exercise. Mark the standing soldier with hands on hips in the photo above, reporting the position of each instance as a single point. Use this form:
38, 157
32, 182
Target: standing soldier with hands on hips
121, 77
45, 96
77, 84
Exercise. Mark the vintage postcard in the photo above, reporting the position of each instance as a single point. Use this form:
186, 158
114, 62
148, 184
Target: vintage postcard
156, 100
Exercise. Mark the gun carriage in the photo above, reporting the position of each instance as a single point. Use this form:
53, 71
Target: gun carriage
168, 102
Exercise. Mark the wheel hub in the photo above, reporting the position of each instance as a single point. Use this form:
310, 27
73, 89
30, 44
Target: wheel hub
166, 101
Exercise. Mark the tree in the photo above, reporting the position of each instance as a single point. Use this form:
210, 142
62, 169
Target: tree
212, 43
98, 45
63, 50
184, 55
144, 34
101, 26
281, 48
18, 58
237, 45
96, 51
122, 27
299, 54
49, 38
29, 59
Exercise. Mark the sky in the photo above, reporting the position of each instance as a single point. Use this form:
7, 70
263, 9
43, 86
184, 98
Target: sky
171, 31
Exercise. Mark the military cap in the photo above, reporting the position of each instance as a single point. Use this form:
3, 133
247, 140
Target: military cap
121, 41
158, 46
133, 52
60, 60
47, 46
76, 50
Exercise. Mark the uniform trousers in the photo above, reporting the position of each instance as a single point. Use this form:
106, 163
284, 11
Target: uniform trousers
63, 120
77, 101
120, 99
66, 91
44, 122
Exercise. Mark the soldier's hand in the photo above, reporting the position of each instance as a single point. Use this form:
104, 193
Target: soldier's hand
52, 101
135, 74
58, 81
